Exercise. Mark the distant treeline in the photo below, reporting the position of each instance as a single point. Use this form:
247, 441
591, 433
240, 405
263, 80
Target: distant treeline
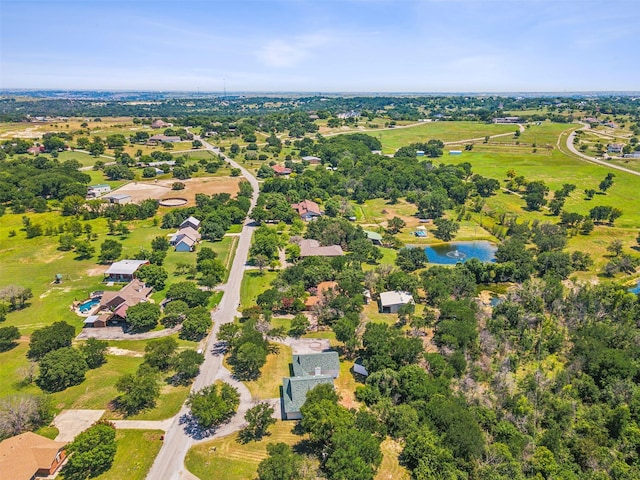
459, 107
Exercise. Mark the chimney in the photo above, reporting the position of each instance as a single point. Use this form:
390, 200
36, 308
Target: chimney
318, 371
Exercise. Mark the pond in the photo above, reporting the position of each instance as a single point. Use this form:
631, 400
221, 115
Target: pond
635, 289
454, 252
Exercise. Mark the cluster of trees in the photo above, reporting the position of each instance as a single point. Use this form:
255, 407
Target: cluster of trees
61, 365
27, 182
347, 442
248, 346
214, 405
141, 390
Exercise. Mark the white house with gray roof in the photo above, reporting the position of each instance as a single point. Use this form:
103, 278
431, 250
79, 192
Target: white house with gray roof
390, 302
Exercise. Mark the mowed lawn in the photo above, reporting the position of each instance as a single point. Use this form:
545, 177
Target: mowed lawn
446, 131
135, 454
271, 375
226, 459
253, 284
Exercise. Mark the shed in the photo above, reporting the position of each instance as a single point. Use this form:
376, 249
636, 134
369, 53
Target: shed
455, 152
359, 368
119, 198
312, 160
390, 302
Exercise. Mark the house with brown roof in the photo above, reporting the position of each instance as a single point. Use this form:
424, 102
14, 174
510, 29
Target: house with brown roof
114, 305
160, 124
307, 209
312, 248
28, 456
280, 170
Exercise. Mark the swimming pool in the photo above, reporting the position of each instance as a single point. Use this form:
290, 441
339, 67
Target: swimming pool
84, 307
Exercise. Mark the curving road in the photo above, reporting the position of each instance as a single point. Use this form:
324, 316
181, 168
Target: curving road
169, 464
582, 156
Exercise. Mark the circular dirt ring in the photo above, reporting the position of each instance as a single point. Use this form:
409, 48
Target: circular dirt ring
173, 202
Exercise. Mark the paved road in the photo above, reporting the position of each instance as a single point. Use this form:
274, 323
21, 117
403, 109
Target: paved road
169, 464
582, 156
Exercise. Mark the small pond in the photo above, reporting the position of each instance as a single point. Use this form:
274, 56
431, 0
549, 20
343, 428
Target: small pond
454, 252
635, 289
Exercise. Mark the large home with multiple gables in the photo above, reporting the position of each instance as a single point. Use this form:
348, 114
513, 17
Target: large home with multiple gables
114, 305
186, 238
309, 371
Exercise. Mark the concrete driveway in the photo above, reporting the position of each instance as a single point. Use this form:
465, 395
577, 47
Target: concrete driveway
301, 346
72, 422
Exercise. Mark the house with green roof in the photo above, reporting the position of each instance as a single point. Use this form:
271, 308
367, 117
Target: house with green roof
308, 371
313, 364
375, 237
294, 393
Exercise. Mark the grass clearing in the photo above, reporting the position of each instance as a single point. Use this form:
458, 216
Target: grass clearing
226, 459
253, 284
135, 454
390, 468
271, 375
99, 387
446, 131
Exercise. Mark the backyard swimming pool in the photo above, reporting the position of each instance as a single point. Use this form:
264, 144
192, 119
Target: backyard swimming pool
84, 307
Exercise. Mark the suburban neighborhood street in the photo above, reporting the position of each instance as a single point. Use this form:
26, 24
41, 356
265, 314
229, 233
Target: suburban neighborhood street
169, 464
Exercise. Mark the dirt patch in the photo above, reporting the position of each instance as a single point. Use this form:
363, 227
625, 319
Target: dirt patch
140, 191
206, 185
123, 352
161, 189
99, 270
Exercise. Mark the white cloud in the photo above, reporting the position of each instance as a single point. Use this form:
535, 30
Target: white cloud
287, 53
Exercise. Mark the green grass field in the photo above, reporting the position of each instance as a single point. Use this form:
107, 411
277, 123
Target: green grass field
226, 459
446, 131
253, 284
135, 454
271, 375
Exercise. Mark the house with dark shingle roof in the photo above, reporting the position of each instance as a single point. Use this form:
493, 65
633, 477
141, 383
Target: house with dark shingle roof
294, 393
309, 371
314, 364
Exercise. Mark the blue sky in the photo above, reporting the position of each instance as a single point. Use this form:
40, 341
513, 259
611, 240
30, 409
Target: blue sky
321, 45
